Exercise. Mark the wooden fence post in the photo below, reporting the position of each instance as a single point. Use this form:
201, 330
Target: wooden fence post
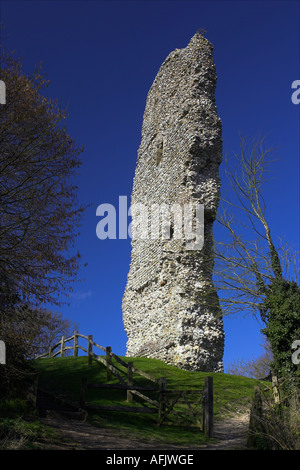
32, 390
62, 352
90, 349
275, 389
256, 429
129, 381
83, 392
162, 400
208, 412
108, 362
75, 344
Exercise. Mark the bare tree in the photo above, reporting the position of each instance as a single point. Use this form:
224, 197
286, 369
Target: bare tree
247, 258
42, 328
39, 211
257, 368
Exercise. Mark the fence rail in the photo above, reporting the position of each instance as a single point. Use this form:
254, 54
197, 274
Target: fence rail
166, 401
105, 360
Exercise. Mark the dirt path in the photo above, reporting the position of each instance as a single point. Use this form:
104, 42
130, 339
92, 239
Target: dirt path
231, 433
78, 435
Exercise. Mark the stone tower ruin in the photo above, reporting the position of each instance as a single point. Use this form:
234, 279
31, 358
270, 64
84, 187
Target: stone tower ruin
170, 306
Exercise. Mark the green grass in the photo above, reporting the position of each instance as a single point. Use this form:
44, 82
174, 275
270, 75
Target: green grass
19, 425
63, 376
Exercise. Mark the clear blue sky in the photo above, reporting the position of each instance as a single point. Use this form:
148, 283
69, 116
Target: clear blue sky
101, 58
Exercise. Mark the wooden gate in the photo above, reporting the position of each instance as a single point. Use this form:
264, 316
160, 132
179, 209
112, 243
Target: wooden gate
164, 406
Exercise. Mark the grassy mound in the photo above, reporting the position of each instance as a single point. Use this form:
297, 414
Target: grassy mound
64, 375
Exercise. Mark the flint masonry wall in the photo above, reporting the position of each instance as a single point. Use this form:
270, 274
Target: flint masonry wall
170, 307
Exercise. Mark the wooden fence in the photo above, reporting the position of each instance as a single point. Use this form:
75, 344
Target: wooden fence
166, 400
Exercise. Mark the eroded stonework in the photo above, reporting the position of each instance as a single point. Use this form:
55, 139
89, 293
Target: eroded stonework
170, 307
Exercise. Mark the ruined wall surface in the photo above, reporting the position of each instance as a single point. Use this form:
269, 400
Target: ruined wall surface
170, 307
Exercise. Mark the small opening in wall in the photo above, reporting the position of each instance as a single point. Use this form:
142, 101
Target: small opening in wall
171, 230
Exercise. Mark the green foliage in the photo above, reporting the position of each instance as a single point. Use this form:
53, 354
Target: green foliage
13, 408
275, 426
282, 318
18, 424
